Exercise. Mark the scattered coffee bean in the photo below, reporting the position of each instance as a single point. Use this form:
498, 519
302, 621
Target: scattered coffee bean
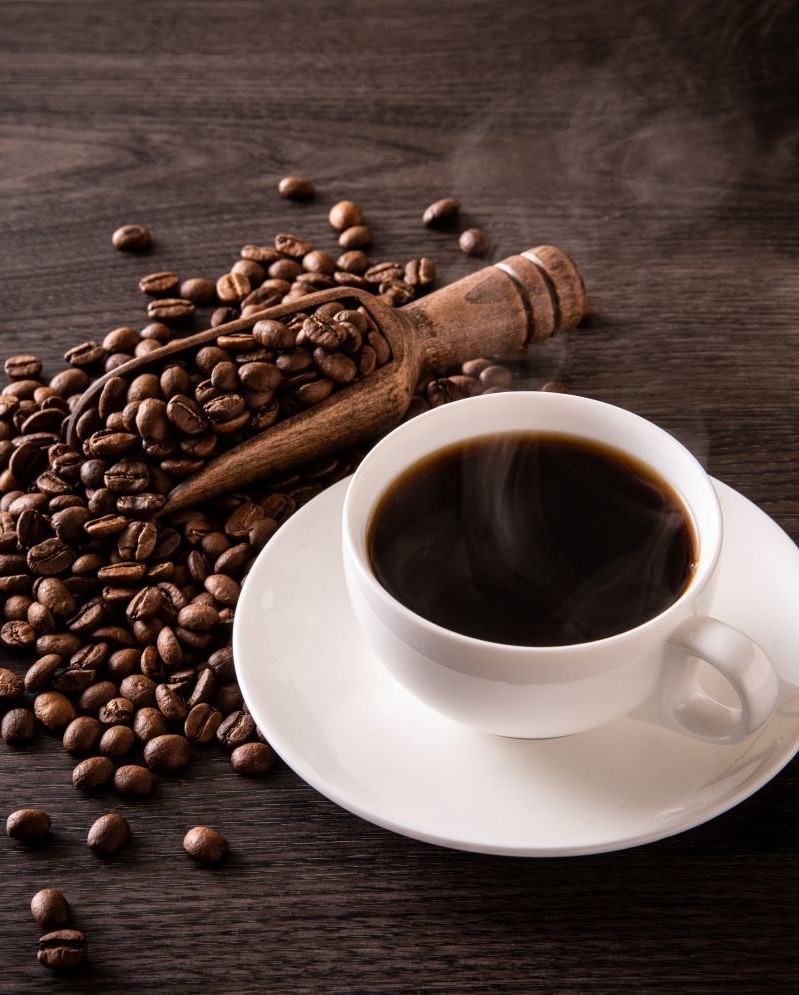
62, 950
90, 774
134, 781
11, 684
253, 759
167, 754
28, 825
117, 741
131, 238
109, 834
18, 727
355, 237
296, 188
441, 211
82, 735
22, 367
50, 908
159, 284
344, 215
54, 710
205, 844
474, 242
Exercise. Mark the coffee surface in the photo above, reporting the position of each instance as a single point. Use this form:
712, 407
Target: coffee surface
532, 539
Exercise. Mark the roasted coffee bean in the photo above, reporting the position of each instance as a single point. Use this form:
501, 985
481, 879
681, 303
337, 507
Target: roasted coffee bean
15, 608
72, 680
223, 588
205, 844
69, 524
474, 242
109, 834
496, 376
198, 618
122, 339
137, 541
232, 288
186, 415
229, 698
131, 238
139, 688
236, 729
62, 950
85, 354
159, 284
167, 754
253, 759
148, 724
62, 643
344, 214
221, 663
28, 825
26, 462
198, 290
82, 735
106, 525
292, 245
92, 773
17, 635
441, 211
252, 271
117, 741
54, 595
335, 366
296, 188
170, 309
41, 672
556, 387
18, 727
355, 237
170, 703
24, 367
88, 618
50, 908
169, 648
420, 272
263, 254
134, 780
202, 723
91, 656
54, 710
110, 444
94, 697
117, 711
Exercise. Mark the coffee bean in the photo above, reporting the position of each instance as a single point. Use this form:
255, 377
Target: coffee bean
109, 834
11, 684
159, 284
205, 844
474, 242
117, 741
496, 376
131, 238
186, 415
82, 735
134, 781
167, 754
236, 729
62, 950
198, 290
18, 727
170, 309
50, 908
17, 635
22, 367
356, 237
85, 354
253, 759
224, 589
94, 697
138, 688
28, 825
296, 188
170, 703
117, 711
344, 214
420, 272
90, 774
441, 211
148, 724
232, 287
54, 710
292, 245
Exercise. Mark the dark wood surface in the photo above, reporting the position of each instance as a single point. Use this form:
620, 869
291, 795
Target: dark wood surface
657, 142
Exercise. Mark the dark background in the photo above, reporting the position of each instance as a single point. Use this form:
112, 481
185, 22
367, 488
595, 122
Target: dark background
655, 141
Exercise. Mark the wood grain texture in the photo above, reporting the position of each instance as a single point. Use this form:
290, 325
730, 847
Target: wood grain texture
657, 143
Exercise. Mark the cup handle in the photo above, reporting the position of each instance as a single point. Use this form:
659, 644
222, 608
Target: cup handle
679, 702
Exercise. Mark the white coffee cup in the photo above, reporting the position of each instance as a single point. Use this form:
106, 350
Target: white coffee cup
540, 692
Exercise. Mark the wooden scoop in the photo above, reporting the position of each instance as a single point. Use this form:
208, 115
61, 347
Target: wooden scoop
495, 311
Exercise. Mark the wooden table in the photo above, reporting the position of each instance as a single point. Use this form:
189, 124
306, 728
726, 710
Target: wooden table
655, 141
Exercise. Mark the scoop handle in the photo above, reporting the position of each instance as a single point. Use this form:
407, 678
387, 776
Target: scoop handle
498, 310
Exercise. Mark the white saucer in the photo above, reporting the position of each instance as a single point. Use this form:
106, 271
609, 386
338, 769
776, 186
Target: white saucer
348, 729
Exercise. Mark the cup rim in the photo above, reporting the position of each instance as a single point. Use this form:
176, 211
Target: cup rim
358, 554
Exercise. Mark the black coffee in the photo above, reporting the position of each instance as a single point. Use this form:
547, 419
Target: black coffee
532, 539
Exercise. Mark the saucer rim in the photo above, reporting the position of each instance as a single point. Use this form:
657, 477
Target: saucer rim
335, 494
